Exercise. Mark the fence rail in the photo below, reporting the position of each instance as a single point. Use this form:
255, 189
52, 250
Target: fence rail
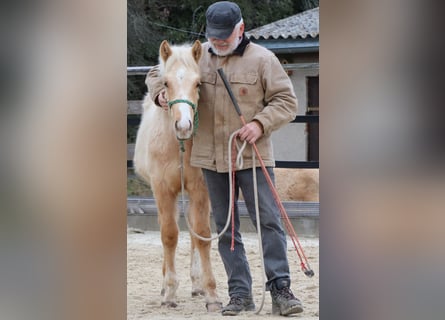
142, 70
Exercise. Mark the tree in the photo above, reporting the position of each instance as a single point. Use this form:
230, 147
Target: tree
151, 21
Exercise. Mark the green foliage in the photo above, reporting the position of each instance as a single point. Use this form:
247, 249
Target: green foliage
303, 5
151, 21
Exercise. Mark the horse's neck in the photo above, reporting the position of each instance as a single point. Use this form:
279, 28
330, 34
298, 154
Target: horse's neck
161, 130
162, 115
160, 121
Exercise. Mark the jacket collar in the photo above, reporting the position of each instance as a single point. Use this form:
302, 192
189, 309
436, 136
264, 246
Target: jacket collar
240, 49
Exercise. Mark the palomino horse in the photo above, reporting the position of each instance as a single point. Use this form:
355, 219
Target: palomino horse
157, 160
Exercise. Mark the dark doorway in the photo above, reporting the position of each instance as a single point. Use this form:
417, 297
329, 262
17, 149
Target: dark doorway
312, 109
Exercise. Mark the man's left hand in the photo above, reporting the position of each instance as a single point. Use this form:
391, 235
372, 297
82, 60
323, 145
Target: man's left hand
251, 132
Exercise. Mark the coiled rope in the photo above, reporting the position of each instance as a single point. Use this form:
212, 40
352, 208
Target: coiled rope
238, 162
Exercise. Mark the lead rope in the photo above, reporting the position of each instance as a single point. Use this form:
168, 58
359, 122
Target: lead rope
290, 229
230, 215
258, 226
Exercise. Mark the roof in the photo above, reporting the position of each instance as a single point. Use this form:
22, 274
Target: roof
297, 33
301, 25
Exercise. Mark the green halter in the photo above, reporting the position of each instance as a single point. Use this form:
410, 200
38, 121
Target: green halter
195, 118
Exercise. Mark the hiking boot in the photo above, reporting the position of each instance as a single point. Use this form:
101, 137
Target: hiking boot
283, 300
238, 304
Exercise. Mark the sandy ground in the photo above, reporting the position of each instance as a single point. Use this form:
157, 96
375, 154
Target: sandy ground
144, 277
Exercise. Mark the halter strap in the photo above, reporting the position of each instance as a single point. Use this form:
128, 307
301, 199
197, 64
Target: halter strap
191, 104
195, 118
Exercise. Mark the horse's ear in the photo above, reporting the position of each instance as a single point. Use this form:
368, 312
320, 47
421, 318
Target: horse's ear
165, 51
196, 50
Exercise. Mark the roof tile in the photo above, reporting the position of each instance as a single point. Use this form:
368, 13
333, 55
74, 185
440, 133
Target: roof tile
301, 25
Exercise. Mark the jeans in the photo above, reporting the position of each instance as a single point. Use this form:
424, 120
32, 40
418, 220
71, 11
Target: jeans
273, 236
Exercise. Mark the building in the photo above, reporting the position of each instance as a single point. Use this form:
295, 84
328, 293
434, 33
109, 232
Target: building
295, 41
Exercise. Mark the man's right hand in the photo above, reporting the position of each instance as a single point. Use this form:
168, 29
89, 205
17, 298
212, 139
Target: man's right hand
162, 100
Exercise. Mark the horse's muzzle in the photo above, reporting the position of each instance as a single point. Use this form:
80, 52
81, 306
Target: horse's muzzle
184, 129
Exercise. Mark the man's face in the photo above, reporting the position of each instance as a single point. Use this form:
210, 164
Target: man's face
224, 47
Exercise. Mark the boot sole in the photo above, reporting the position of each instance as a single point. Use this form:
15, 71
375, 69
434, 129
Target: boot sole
276, 310
234, 313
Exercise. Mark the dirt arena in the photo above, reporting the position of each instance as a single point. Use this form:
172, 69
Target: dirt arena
144, 277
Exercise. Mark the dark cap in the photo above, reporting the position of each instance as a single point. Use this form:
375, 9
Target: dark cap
222, 18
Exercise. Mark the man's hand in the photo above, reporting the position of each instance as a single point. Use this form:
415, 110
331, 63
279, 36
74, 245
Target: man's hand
251, 132
162, 100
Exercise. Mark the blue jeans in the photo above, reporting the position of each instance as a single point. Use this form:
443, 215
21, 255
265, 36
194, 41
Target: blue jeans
273, 236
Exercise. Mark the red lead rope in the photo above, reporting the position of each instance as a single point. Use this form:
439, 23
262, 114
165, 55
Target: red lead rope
289, 227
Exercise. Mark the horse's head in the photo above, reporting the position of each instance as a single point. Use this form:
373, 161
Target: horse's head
180, 73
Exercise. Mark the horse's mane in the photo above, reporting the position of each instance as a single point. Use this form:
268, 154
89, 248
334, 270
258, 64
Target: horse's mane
181, 53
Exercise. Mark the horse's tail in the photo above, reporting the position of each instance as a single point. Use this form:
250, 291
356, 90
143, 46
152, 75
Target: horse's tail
140, 156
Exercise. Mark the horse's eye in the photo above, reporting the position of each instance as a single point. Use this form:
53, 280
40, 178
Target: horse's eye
166, 84
198, 84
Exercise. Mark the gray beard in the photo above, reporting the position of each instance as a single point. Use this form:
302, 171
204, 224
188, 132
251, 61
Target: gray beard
229, 52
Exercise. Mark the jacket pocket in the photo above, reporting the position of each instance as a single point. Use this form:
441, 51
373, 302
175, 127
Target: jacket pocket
208, 77
249, 78
249, 93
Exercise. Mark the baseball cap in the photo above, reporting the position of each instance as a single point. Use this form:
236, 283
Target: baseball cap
222, 18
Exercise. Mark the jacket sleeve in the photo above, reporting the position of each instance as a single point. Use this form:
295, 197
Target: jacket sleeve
281, 103
154, 84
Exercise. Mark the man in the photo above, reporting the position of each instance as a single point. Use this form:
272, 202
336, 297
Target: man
267, 101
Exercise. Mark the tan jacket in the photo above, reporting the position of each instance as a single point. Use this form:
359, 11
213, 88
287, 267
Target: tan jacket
263, 90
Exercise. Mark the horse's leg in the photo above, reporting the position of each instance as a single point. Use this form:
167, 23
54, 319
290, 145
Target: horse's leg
199, 215
195, 269
166, 203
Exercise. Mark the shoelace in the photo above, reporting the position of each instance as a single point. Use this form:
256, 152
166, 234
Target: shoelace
286, 293
236, 301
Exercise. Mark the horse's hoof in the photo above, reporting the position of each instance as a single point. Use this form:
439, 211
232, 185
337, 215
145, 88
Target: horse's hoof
198, 292
214, 306
169, 304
